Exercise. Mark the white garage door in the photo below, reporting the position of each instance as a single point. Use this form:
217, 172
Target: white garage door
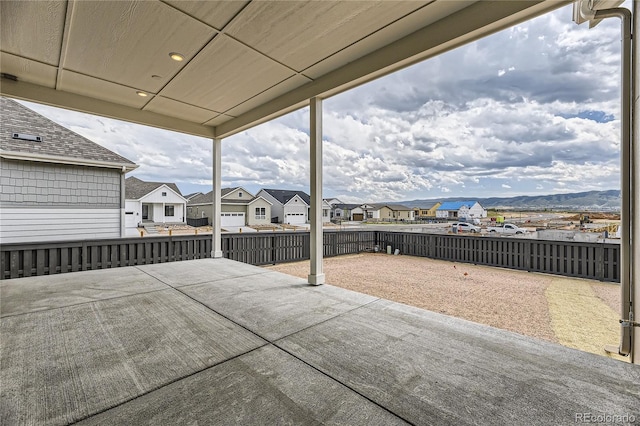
295, 219
232, 219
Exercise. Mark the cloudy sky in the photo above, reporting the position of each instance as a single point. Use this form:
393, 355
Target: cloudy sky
531, 110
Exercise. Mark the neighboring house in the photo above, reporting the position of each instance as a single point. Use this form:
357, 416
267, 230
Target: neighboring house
362, 212
238, 208
342, 211
426, 211
460, 210
326, 211
290, 207
391, 212
55, 184
153, 202
333, 202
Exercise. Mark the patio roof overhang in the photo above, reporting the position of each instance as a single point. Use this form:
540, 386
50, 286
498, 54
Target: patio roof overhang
244, 62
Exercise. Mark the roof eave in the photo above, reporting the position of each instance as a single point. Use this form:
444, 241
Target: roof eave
54, 159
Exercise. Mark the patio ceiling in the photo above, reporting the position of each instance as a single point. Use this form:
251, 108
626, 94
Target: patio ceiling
245, 62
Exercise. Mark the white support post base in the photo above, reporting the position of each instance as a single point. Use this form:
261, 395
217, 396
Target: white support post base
317, 279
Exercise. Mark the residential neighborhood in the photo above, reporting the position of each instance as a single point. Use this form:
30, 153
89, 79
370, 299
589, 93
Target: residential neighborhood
59, 185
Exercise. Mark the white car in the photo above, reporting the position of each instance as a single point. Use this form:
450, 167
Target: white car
465, 227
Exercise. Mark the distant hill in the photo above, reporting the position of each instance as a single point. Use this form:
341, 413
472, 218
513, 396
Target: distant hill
587, 201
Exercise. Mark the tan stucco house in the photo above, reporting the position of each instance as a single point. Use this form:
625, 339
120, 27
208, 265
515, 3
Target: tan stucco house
426, 211
239, 207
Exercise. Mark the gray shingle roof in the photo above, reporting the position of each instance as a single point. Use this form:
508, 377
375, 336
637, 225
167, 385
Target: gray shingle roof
208, 198
136, 188
344, 206
56, 141
394, 207
284, 195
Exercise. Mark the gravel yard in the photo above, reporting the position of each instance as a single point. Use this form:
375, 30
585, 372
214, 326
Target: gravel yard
573, 312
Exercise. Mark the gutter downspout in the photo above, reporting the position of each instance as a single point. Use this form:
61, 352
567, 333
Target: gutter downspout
626, 245
635, 185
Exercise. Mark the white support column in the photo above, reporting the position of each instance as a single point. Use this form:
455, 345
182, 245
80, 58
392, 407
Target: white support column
216, 208
316, 277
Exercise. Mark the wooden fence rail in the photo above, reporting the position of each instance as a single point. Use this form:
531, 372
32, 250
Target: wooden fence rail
586, 260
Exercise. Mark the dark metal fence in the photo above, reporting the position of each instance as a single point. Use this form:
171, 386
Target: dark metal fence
569, 258
203, 221
586, 260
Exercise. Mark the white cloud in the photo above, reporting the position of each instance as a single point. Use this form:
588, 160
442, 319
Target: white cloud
504, 185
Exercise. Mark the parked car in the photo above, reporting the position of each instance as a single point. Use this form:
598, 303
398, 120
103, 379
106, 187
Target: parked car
507, 228
473, 220
465, 227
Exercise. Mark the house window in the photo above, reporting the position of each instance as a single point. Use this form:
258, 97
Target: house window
239, 194
261, 213
325, 213
369, 215
168, 210
164, 194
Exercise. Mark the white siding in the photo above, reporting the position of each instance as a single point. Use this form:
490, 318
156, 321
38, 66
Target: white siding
132, 221
477, 211
156, 196
276, 207
22, 225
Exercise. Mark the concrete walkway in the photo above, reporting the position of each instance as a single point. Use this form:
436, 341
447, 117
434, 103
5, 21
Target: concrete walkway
219, 342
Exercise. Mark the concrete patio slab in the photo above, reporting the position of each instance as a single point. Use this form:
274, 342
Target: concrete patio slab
429, 368
236, 285
62, 365
198, 354
200, 271
32, 294
264, 387
273, 312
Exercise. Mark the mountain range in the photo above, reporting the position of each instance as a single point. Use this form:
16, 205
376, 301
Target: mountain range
588, 201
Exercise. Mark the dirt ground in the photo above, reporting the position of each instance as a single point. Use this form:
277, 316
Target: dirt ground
577, 313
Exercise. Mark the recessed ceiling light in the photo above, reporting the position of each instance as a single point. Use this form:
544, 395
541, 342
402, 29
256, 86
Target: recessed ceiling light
176, 56
141, 93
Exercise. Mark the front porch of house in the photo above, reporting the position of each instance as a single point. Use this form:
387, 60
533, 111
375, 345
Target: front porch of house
214, 341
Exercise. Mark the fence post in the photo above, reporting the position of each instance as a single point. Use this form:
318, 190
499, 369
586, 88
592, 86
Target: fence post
273, 248
599, 260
